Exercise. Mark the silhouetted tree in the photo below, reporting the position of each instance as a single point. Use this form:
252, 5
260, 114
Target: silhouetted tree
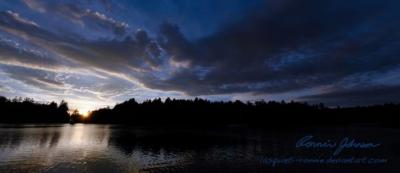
76, 117
19, 110
201, 112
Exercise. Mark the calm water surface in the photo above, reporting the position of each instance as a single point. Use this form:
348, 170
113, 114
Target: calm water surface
108, 148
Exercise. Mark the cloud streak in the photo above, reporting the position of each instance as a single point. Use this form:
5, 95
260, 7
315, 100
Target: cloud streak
280, 47
361, 95
76, 14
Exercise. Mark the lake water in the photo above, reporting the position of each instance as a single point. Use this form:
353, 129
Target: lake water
110, 148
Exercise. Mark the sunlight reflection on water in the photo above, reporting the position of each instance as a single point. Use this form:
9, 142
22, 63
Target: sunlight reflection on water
66, 148
108, 148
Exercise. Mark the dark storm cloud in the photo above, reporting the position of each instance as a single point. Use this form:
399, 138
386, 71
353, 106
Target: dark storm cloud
286, 45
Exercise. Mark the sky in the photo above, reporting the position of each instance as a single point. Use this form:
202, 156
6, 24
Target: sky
96, 53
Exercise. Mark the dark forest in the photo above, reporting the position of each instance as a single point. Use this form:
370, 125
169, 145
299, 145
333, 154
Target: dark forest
201, 113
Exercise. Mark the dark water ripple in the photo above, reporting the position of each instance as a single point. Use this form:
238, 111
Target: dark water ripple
108, 148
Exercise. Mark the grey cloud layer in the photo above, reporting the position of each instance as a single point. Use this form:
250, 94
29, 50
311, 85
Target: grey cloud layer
37, 78
356, 96
136, 51
288, 45
85, 17
284, 46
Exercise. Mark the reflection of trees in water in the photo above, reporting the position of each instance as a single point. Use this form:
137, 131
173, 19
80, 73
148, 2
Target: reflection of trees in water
123, 140
17, 137
64, 137
175, 141
8, 138
36, 148
153, 150
176, 150
54, 139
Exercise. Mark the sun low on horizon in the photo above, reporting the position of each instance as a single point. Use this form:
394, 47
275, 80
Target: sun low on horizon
95, 54
199, 86
84, 114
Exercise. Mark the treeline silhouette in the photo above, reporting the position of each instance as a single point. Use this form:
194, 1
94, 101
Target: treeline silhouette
203, 113
19, 110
